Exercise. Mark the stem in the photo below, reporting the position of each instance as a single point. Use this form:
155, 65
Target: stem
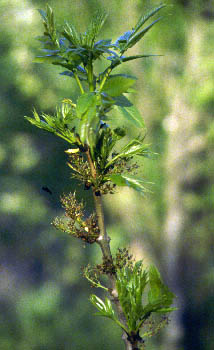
108, 72
103, 239
104, 243
79, 83
90, 76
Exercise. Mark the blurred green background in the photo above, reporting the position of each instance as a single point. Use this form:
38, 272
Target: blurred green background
43, 296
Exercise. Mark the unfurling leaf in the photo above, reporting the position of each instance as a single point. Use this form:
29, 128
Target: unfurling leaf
105, 308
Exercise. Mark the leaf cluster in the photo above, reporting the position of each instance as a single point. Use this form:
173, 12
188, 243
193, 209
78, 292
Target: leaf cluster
141, 292
83, 124
62, 124
70, 49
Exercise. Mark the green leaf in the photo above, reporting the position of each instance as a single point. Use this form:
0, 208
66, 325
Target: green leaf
133, 115
94, 29
58, 125
166, 310
88, 126
123, 39
48, 59
122, 101
84, 102
105, 141
139, 35
130, 58
118, 60
36, 116
50, 17
41, 124
122, 180
105, 308
118, 84
71, 34
134, 147
43, 14
159, 293
144, 19
81, 72
130, 284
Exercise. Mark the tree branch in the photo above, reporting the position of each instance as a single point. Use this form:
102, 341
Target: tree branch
104, 243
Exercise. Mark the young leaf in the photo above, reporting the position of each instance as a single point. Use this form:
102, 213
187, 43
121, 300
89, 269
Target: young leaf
94, 29
134, 147
81, 72
139, 35
133, 115
36, 116
105, 308
144, 19
159, 293
122, 101
130, 58
122, 180
84, 102
43, 14
118, 84
71, 34
130, 285
88, 125
48, 59
123, 39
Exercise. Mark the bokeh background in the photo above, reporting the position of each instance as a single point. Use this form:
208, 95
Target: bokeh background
43, 296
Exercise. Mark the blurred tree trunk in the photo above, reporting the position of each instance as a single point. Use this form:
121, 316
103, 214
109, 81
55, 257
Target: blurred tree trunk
185, 143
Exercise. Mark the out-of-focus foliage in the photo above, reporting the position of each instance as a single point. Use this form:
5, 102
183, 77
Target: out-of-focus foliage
44, 300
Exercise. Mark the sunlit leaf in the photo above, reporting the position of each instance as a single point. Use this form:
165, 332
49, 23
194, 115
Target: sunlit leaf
48, 59
84, 102
134, 147
122, 180
36, 116
118, 84
105, 308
